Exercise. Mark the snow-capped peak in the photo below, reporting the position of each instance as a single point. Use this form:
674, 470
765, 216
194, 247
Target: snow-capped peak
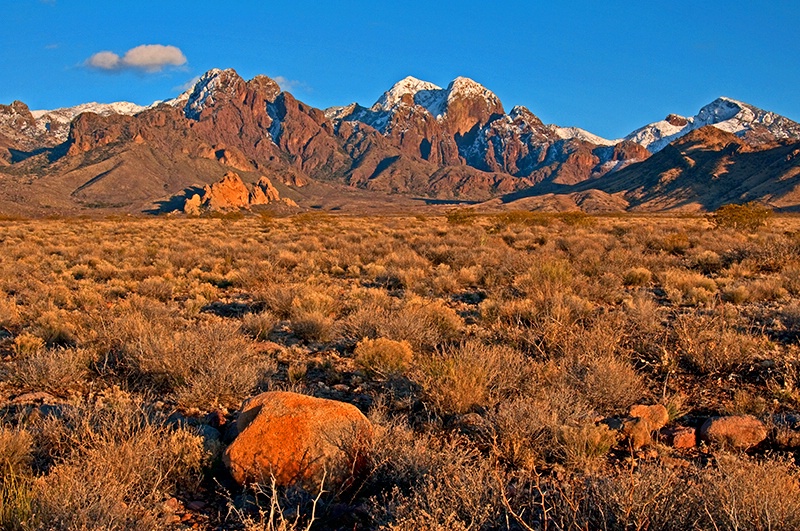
408, 85
464, 86
723, 113
206, 92
105, 109
437, 102
719, 110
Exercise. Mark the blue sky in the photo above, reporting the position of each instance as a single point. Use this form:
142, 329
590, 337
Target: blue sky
608, 67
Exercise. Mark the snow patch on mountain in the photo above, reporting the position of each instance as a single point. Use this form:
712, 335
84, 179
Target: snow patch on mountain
207, 91
56, 121
723, 113
567, 133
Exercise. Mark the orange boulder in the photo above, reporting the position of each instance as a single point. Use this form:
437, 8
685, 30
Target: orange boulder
298, 439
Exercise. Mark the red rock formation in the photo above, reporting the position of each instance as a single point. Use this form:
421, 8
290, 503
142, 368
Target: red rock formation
263, 193
229, 193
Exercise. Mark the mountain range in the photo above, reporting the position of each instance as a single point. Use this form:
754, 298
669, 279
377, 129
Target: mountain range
418, 140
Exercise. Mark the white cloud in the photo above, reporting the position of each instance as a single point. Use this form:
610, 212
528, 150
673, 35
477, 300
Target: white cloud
145, 58
104, 61
290, 84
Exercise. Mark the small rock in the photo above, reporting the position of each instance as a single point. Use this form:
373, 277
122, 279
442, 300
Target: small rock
172, 505
681, 437
637, 432
196, 505
736, 431
643, 422
657, 415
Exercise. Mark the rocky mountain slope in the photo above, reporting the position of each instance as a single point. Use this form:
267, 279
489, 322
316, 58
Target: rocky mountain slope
729, 115
456, 142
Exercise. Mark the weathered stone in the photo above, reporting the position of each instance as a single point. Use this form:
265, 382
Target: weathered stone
637, 432
298, 439
229, 193
643, 421
737, 431
192, 206
264, 192
680, 437
657, 415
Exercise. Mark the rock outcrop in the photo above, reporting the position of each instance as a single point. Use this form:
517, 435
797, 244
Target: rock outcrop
231, 193
298, 439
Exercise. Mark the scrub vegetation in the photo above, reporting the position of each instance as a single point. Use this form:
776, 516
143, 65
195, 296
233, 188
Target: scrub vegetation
497, 356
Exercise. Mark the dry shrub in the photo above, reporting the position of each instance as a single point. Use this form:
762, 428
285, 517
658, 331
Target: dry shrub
527, 427
259, 325
116, 464
707, 262
644, 330
158, 288
383, 356
637, 276
472, 375
746, 403
313, 326
58, 371
688, 288
742, 493
748, 217
427, 483
27, 344
312, 313
463, 495
736, 294
649, 497
15, 449
9, 312
580, 447
424, 323
278, 298
544, 325
767, 289
610, 383
271, 508
547, 277
710, 343
57, 328
204, 364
